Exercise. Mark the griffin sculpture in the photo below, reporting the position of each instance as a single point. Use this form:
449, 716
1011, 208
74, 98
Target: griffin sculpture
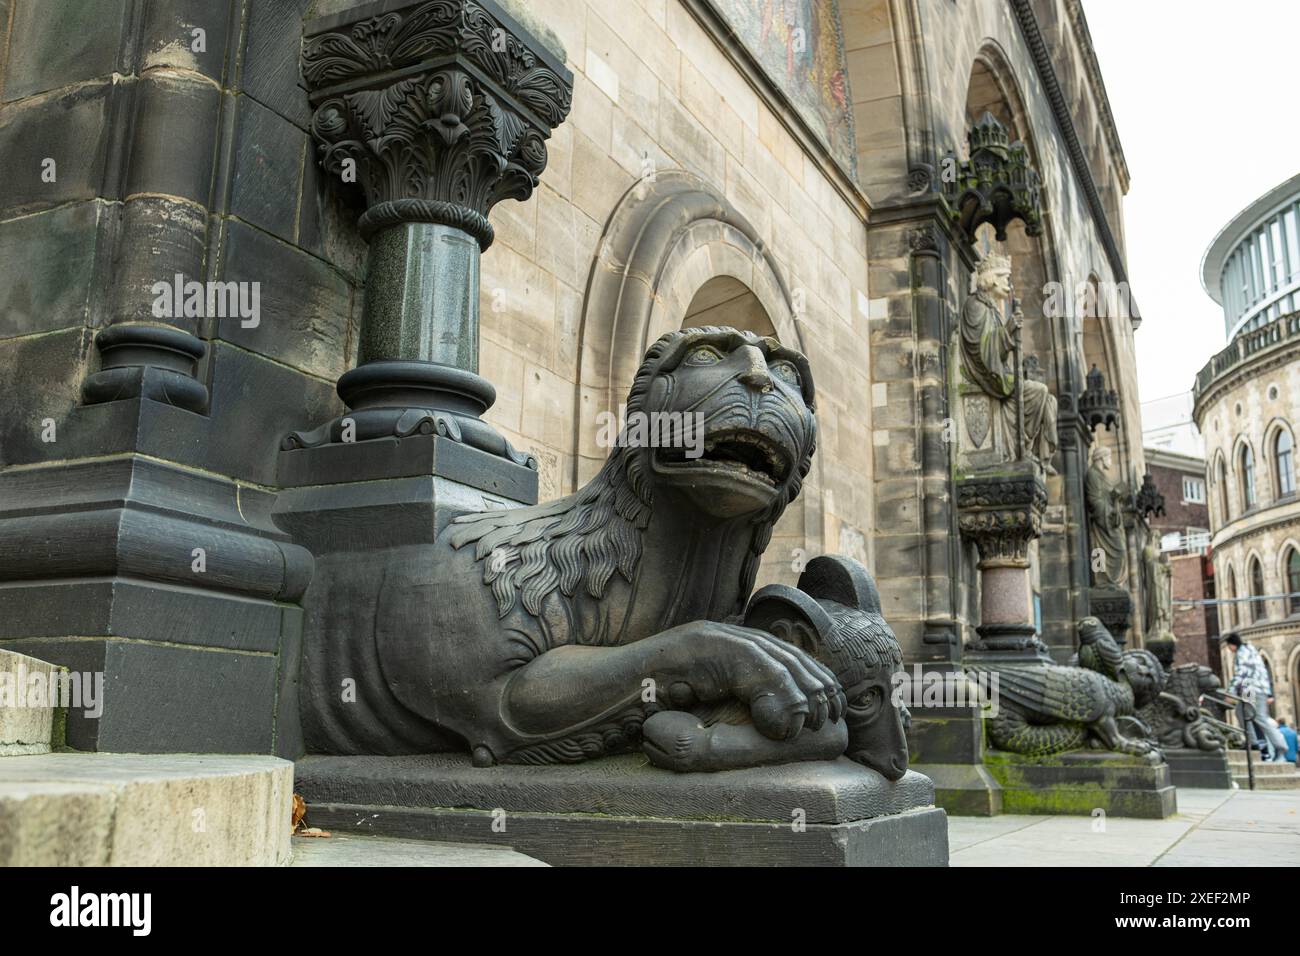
1049, 708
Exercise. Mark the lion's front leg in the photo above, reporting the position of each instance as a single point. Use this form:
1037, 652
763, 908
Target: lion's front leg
574, 687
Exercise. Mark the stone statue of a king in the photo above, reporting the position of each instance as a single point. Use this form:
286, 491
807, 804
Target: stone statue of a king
989, 348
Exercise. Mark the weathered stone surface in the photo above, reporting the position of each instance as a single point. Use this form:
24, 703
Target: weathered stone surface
914, 838
59, 42
268, 158
623, 811
837, 791
73, 129
1082, 782
26, 723
135, 810
305, 306
47, 267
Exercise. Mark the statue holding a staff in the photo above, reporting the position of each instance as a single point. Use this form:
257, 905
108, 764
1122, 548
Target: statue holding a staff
991, 352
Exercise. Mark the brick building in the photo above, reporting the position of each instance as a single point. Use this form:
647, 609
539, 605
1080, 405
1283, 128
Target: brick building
1183, 531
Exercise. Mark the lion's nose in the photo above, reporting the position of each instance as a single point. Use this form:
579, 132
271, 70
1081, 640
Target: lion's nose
755, 374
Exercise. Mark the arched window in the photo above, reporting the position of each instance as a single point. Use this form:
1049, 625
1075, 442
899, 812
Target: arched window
1284, 463
1293, 581
1221, 479
1230, 606
1247, 478
1256, 591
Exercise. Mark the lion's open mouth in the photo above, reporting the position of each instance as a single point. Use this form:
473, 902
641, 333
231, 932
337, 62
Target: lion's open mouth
748, 453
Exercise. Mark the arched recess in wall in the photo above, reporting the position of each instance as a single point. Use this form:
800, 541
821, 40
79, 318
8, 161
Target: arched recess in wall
675, 254
1279, 450
1293, 674
1229, 577
1221, 493
992, 88
1099, 349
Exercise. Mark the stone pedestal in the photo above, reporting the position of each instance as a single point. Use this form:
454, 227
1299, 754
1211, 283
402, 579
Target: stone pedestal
1200, 769
1083, 782
1112, 606
622, 811
946, 743
1001, 509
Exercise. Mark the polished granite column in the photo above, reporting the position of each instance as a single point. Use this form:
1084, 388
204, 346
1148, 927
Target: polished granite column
433, 112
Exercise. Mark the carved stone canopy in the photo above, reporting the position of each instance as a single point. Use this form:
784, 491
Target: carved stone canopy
996, 185
437, 110
1149, 500
1099, 405
1002, 512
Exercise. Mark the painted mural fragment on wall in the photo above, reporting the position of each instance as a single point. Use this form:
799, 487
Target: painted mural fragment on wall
800, 45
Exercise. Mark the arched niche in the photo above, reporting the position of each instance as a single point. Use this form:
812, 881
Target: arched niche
724, 300
676, 254
1097, 335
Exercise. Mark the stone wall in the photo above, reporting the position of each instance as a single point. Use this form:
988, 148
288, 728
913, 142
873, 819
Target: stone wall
654, 92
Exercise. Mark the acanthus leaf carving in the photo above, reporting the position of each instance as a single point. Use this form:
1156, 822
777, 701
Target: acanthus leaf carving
454, 118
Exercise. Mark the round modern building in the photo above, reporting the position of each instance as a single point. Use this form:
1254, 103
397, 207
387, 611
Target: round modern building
1247, 406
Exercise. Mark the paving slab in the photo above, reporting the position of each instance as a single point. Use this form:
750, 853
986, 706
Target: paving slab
1212, 828
353, 850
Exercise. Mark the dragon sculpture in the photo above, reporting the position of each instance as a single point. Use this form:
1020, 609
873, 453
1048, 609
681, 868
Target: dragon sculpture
1049, 708
612, 620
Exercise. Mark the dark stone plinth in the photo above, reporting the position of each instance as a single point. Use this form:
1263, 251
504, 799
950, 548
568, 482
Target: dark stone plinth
173, 583
621, 810
1207, 770
1081, 782
1113, 607
946, 744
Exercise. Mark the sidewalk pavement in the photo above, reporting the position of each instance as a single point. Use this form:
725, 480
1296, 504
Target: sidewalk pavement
1211, 828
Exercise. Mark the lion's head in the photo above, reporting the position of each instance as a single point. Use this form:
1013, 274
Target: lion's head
754, 400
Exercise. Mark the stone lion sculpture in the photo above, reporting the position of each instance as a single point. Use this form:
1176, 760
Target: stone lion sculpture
611, 620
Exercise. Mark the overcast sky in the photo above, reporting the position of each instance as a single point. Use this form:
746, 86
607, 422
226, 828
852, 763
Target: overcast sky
1205, 99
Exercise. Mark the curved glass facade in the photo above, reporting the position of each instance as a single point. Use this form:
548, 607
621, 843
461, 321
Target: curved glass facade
1260, 279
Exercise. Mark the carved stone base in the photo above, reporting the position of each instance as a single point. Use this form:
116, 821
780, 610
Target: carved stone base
946, 744
1113, 607
401, 399
1082, 782
622, 811
1207, 770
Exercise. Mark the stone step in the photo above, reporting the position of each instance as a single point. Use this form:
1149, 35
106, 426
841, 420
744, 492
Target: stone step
1264, 767
1239, 766
350, 849
1289, 782
27, 719
74, 809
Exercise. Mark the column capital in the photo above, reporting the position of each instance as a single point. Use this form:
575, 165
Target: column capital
438, 110
1002, 511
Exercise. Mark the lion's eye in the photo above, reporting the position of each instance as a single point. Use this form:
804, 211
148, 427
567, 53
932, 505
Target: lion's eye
787, 373
704, 355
